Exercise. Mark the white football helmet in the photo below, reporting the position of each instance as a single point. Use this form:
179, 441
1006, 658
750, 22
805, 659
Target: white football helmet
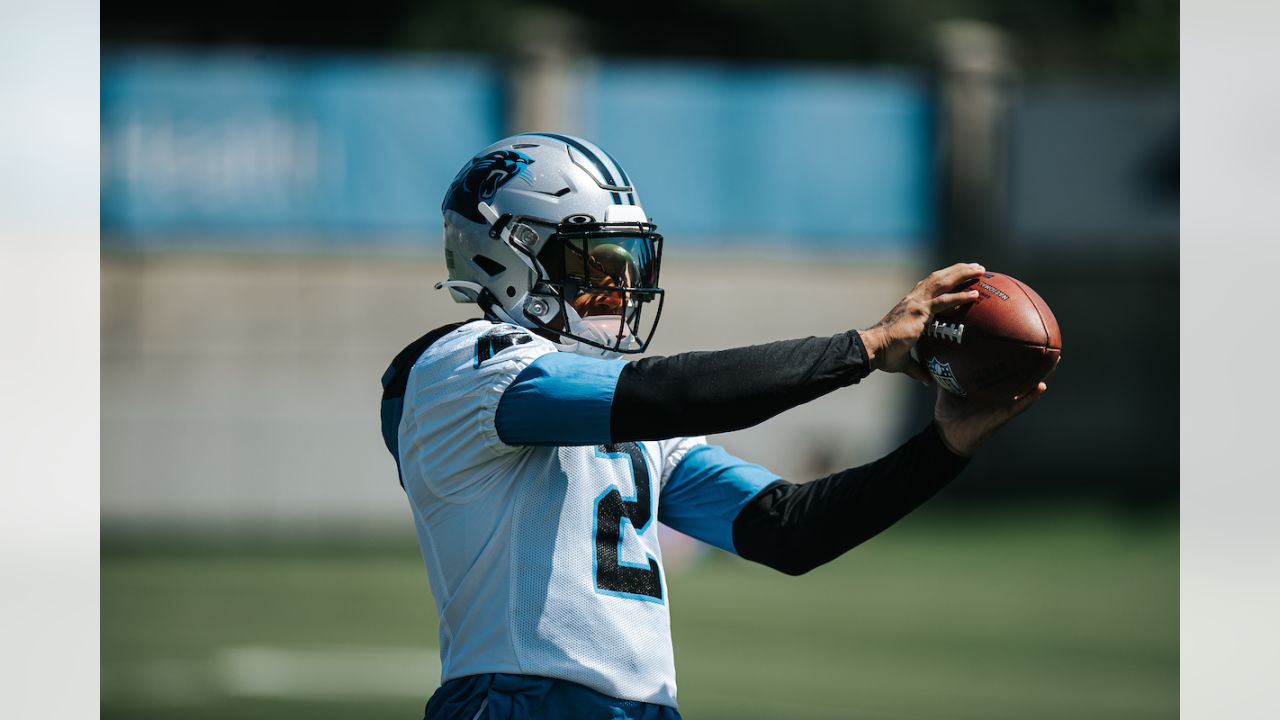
546, 231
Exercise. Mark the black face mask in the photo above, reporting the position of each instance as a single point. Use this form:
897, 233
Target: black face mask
606, 271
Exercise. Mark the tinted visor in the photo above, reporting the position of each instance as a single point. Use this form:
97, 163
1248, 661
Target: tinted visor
608, 273
601, 275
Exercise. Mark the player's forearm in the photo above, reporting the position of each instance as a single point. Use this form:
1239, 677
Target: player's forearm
702, 393
795, 528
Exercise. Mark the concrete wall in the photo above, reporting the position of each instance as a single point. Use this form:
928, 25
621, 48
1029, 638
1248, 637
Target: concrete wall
243, 390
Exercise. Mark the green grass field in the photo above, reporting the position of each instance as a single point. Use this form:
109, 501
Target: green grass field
952, 614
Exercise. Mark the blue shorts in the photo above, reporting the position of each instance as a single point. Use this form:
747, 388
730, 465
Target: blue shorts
499, 696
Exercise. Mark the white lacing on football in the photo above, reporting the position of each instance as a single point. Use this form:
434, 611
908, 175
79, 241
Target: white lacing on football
946, 331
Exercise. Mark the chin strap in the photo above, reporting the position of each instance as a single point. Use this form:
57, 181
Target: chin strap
460, 285
492, 309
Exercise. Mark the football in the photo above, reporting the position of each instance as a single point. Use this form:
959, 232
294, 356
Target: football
995, 348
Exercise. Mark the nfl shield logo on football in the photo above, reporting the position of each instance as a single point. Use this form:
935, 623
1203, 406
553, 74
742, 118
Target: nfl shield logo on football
944, 377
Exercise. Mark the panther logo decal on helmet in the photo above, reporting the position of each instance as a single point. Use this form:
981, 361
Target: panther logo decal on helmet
480, 180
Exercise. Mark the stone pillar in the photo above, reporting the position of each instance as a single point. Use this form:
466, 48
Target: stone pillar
540, 73
973, 74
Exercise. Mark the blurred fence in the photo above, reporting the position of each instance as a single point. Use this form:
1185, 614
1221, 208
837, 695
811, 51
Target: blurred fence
239, 389
1087, 213
1095, 165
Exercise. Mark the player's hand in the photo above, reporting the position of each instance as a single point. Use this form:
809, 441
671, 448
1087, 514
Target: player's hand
889, 341
966, 425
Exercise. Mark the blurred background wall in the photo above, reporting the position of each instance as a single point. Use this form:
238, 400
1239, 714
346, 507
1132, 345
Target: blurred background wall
272, 228
271, 176
271, 223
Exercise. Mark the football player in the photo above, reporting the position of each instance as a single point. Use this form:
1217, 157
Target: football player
538, 462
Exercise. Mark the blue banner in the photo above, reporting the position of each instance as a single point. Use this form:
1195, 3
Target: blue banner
200, 145
277, 151
772, 153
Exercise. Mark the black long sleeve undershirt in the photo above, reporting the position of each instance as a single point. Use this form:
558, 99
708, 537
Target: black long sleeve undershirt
795, 528
789, 527
702, 393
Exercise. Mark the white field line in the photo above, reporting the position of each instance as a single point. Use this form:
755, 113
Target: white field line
301, 673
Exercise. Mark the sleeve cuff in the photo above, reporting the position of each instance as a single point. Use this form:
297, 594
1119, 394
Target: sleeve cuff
863, 360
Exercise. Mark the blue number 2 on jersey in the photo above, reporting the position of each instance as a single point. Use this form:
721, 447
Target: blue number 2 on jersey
613, 575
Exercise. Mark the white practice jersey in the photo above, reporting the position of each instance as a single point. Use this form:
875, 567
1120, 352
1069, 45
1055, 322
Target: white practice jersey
542, 560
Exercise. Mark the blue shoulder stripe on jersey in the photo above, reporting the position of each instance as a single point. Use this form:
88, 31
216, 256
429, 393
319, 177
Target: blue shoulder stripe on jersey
595, 159
560, 399
707, 490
